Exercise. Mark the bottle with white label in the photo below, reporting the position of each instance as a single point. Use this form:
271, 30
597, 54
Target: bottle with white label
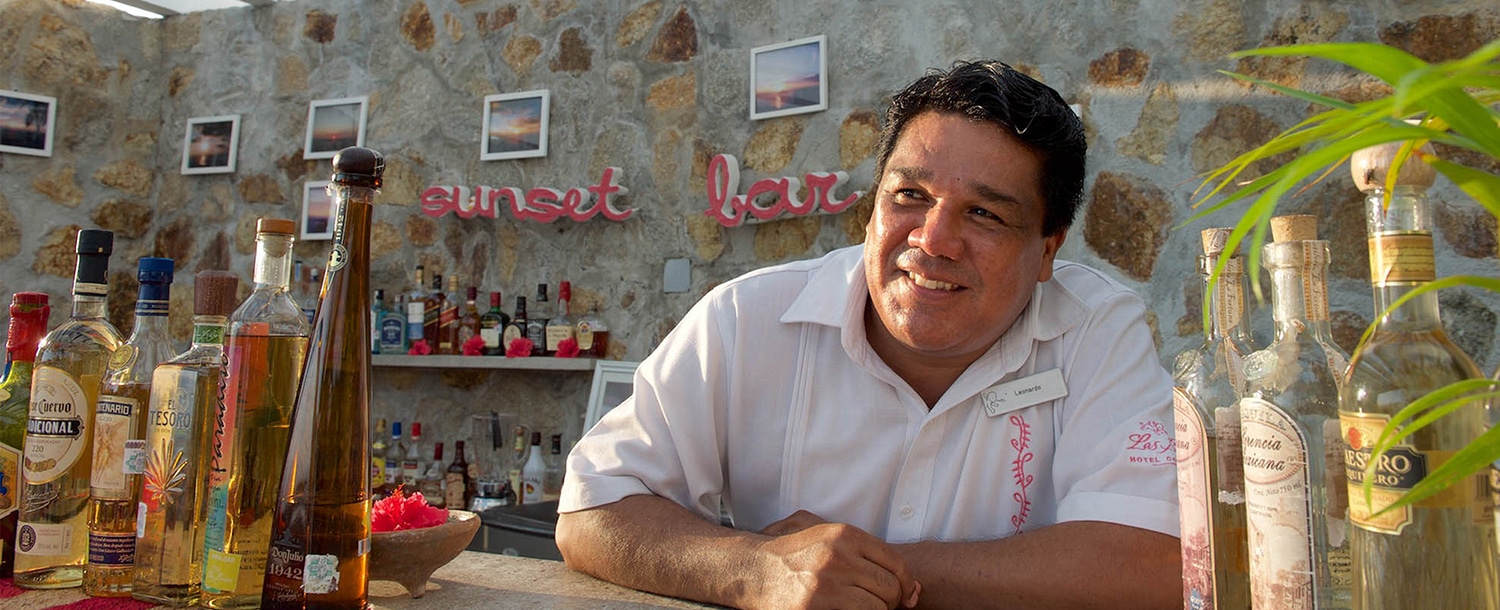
1207, 385
534, 473
1296, 500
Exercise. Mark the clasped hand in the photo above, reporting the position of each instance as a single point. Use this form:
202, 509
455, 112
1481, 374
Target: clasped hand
812, 563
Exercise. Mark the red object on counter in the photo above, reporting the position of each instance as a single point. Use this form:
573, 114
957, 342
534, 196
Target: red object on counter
419, 348
519, 348
474, 346
567, 348
405, 512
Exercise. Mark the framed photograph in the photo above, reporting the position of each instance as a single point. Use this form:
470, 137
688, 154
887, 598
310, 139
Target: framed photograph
614, 381
317, 211
26, 122
333, 125
211, 144
789, 78
515, 125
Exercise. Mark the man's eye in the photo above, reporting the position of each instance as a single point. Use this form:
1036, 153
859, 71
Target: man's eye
907, 195
986, 214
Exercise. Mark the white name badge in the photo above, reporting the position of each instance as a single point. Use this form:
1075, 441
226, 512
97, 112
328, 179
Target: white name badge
1023, 392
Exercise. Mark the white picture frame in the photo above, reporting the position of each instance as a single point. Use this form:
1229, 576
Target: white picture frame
789, 78
335, 124
211, 145
614, 381
318, 215
27, 123
515, 125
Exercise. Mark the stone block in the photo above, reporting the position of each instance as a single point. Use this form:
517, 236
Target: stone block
291, 76
1126, 222
1191, 322
552, 9
1309, 25
262, 188
493, 21
56, 255
771, 146
1123, 67
782, 239
573, 53
1438, 38
126, 218
677, 40
385, 239
1468, 322
244, 235
127, 176
403, 182
61, 53
179, 80
176, 241
215, 256
140, 144
320, 27
182, 33
703, 153
1469, 229
57, 184
859, 135
707, 235
520, 52
454, 26
421, 231
1347, 327
674, 93
1212, 29
637, 24
119, 304
293, 166
664, 154
856, 218
1155, 130
10, 230
1234, 130
416, 26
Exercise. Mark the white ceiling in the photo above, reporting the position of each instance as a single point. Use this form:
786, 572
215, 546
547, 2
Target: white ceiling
156, 9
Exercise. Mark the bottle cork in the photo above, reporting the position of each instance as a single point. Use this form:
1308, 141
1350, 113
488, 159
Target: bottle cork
1294, 227
1214, 240
358, 166
1369, 167
215, 293
280, 226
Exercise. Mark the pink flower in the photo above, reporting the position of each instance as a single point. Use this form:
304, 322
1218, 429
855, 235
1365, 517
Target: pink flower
419, 348
567, 348
520, 347
399, 511
474, 346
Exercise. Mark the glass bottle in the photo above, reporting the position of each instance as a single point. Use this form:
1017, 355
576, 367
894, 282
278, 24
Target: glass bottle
432, 478
536, 325
468, 324
491, 325
448, 319
378, 488
592, 334
517, 327
28, 322
458, 487
1439, 553
393, 328
517, 460
394, 453
411, 461
377, 313
1296, 498
552, 485
560, 327
267, 341
320, 538
1207, 384
120, 436
432, 315
52, 527
533, 472
416, 312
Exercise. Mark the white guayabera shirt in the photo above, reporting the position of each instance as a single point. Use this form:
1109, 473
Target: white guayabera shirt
768, 397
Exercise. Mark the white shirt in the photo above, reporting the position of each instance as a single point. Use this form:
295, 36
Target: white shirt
768, 395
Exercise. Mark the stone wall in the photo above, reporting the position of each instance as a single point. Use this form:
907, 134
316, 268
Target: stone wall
657, 88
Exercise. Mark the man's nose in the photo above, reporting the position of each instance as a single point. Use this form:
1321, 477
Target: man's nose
940, 233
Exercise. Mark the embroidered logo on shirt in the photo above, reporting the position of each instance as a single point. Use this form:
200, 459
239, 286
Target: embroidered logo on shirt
1022, 445
1152, 444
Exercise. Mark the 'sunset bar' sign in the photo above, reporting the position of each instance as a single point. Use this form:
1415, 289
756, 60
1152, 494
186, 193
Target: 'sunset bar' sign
729, 209
540, 204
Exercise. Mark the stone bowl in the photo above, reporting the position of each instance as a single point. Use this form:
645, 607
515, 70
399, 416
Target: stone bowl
409, 557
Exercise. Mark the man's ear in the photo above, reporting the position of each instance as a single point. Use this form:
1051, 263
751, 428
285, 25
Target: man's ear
1050, 246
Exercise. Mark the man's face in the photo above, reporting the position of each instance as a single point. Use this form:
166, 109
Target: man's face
955, 246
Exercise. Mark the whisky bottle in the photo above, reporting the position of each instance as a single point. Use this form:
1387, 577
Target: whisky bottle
411, 462
393, 327
592, 334
1207, 384
1440, 552
416, 312
432, 479
448, 320
491, 325
536, 325
28, 322
560, 327
458, 487
378, 488
432, 315
120, 436
266, 344
320, 538
52, 526
1296, 499
517, 327
186, 399
468, 323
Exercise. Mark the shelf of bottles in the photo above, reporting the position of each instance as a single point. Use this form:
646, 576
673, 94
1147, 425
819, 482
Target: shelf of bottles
483, 362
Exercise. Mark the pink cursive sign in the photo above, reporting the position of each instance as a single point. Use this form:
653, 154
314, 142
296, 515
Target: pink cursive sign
729, 209
540, 204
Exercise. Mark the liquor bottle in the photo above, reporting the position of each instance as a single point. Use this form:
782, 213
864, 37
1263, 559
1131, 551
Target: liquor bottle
552, 484
448, 320
592, 334
468, 323
377, 313
394, 453
320, 537
393, 328
536, 325
1296, 499
52, 526
491, 459
517, 327
378, 488
186, 399
491, 325
533, 472
1207, 383
560, 327
431, 315
517, 460
458, 486
416, 312
28, 322
120, 433
411, 462
1439, 553
309, 292
432, 479
266, 344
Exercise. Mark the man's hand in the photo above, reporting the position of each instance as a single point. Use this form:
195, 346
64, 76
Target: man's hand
815, 564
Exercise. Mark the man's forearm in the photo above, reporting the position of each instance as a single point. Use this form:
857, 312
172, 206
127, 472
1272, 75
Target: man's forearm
1081, 564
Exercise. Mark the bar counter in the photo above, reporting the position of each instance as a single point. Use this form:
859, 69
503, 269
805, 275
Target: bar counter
473, 580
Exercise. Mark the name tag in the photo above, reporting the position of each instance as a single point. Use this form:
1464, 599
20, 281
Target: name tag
1023, 392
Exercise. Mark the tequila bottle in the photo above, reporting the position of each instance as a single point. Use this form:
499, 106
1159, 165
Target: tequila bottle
52, 529
28, 322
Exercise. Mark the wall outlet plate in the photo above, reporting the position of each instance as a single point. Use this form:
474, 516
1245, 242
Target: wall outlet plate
677, 275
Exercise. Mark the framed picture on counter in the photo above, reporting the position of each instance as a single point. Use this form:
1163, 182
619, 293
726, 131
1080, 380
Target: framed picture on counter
614, 381
211, 144
515, 125
333, 125
789, 78
317, 211
26, 122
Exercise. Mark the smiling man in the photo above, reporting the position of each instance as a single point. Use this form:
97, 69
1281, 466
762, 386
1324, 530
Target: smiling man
945, 416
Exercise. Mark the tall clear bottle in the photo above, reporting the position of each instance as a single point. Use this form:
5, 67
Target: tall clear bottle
416, 311
320, 539
186, 398
120, 433
52, 530
1207, 384
1439, 553
1296, 496
28, 322
266, 344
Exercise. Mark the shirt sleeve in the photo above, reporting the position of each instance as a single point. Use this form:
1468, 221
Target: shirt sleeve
1116, 458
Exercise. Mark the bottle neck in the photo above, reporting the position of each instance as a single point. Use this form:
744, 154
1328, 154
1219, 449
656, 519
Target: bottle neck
273, 261
1299, 280
209, 330
1401, 256
1226, 298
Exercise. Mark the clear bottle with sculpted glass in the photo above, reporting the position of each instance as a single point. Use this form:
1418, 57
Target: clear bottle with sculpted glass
432, 479
394, 454
416, 312
1296, 498
377, 313
52, 528
186, 396
1439, 553
266, 344
120, 436
411, 462
28, 322
1208, 383
320, 538
393, 328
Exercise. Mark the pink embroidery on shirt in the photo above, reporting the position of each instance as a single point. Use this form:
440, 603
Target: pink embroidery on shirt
1022, 445
1152, 445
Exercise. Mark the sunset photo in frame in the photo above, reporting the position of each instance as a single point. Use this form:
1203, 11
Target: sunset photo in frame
26, 122
789, 78
333, 125
211, 144
317, 211
515, 125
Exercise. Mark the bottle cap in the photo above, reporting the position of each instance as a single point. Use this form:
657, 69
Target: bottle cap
93, 248
153, 270
495, 299
536, 438
437, 281
279, 226
396, 429
564, 291
28, 298
28, 322
358, 166
453, 284
96, 241
541, 292
416, 429
1369, 167
379, 295
1214, 240
1294, 227
473, 293
215, 293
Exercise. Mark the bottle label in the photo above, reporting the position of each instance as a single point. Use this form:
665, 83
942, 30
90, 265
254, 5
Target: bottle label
221, 572
320, 574
556, 333
1194, 500
57, 426
112, 430
585, 336
1278, 509
1229, 295
111, 549
453, 490
393, 471
511, 333
1395, 473
283, 570
145, 307
169, 430
390, 333
491, 337
536, 331
414, 320
1401, 258
448, 317
531, 488
44, 539
215, 523
1231, 466
1315, 281
377, 471
237, 392
208, 334
10, 481
411, 471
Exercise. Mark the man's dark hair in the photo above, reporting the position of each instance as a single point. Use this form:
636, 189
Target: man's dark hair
993, 92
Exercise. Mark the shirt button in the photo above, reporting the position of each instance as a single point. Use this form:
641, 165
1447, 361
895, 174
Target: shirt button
907, 512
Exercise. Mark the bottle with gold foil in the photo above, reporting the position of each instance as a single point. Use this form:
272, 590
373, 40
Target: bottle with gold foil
266, 344
1207, 383
320, 537
186, 395
448, 315
28, 322
120, 433
1296, 503
1439, 553
52, 530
